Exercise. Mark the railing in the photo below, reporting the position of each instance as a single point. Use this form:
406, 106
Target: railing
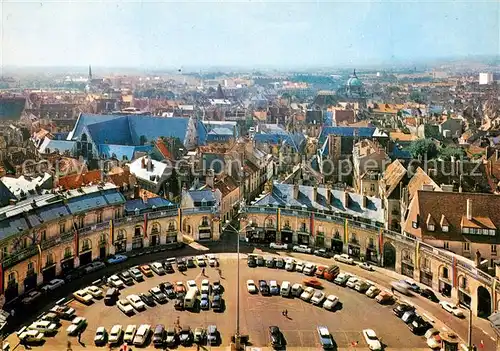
90, 229
161, 214
50, 242
20, 256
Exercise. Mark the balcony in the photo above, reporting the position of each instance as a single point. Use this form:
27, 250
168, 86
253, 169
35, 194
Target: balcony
49, 264
120, 237
68, 236
85, 248
204, 225
90, 229
50, 242
19, 256
354, 241
320, 234
162, 214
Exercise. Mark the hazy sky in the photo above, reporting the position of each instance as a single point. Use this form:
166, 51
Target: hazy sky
247, 33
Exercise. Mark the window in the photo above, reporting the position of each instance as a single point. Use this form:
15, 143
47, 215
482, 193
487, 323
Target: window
372, 188
493, 232
81, 222
446, 245
171, 226
50, 259
99, 217
466, 246
117, 213
155, 229
62, 228
445, 228
121, 235
43, 235
430, 227
465, 230
5, 251
31, 267
67, 252
493, 249
12, 278
414, 225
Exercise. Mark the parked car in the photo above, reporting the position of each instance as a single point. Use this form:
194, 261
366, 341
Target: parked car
409, 316
125, 306
299, 266
264, 288
217, 288
30, 337
190, 262
168, 289
101, 336
126, 278
147, 298
31, 297
307, 294
274, 289
117, 259
322, 253
401, 308
384, 297
94, 291
186, 336
111, 296
286, 289
115, 335
419, 326
136, 302
251, 262
331, 272
279, 263
351, 283
217, 303
270, 262
93, 267
260, 261
205, 286
200, 261
451, 308
52, 285
330, 302
142, 334
313, 282
179, 288
115, 282
191, 284
146, 270
204, 302
179, 303
362, 286
344, 258
159, 335
372, 291
290, 264
276, 337
157, 267
136, 274
309, 269
181, 265
342, 279
372, 339
168, 267
320, 270
171, 337
128, 336
366, 266
83, 296
297, 290
429, 294
325, 338
158, 295
251, 287
212, 260
64, 312
76, 325
212, 335
277, 246
433, 339
302, 248
199, 335
51, 317
318, 298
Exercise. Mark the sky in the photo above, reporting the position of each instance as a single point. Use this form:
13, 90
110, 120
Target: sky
163, 34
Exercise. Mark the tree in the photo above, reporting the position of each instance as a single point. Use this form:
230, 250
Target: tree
416, 97
422, 147
446, 153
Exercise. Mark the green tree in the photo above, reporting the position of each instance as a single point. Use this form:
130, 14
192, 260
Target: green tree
446, 153
416, 97
422, 147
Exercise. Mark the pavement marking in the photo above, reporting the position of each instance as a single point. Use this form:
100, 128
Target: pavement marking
429, 318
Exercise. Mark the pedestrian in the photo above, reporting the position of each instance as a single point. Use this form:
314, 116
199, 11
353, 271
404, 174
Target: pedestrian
286, 313
203, 271
282, 312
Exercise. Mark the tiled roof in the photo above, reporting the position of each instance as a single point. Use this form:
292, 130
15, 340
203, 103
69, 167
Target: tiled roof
392, 176
5, 195
282, 195
485, 210
418, 180
226, 185
74, 181
402, 136
201, 195
156, 203
362, 132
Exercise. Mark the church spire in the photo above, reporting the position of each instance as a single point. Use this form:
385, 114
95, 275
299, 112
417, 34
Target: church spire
90, 73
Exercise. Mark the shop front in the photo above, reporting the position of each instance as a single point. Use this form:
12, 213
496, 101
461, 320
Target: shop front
137, 242
426, 277
86, 257
155, 240
49, 273
337, 245
205, 234
270, 236
120, 246
371, 255
303, 238
67, 264
30, 281
286, 236
353, 250
407, 268
12, 290
320, 240
171, 237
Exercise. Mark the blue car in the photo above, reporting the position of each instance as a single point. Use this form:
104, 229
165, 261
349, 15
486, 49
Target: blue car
117, 259
204, 302
325, 338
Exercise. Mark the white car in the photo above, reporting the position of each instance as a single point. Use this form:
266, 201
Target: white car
318, 298
53, 285
157, 267
343, 258
307, 294
289, 264
352, 282
251, 287
136, 302
330, 302
115, 334
277, 246
142, 334
205, 286
309, 269
128, 337
451, 308
94, 291
76, 324
116, 282
191, 284
30, 336
100, 336
299, 267
83, 296
125, 306
302, 248
46, 327
212, 260
200, 261
372, 340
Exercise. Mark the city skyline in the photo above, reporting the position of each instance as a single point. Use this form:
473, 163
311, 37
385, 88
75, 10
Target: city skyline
272, 34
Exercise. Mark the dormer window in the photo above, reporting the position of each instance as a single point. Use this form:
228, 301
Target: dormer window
414, 224
431, 227
445, 228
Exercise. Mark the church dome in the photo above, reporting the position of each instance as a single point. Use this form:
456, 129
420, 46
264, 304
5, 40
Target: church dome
354, 82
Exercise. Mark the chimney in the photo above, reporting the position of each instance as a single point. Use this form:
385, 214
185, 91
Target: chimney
328, 194
469, 209
295, 191
346, 199
315, 194
144, 198
365, 201
136, 191
143, 162
209, 180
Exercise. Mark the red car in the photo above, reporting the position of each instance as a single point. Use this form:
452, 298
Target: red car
312, 282
320, 271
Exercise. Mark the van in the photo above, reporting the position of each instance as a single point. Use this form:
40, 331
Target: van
331, 273
190, 299
296, 290
285, 289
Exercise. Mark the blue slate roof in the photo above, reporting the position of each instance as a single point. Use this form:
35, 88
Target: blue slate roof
86, 119
220, 134
199, 196
47, 213
362, 132
122, 150
116, 131
294, 140
282, 195
91, 201
154, 127
5, 195
153, 203
14, 225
